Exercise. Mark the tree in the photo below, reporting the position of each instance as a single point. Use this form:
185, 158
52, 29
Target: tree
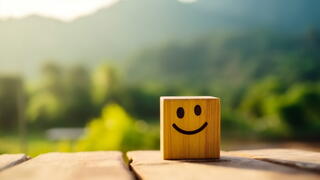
11, 91
78, 106
104, 85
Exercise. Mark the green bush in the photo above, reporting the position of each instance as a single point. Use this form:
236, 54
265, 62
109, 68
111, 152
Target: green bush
300, 110
116, 130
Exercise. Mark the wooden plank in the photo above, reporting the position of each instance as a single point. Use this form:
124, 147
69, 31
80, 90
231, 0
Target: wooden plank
298, 158
9, 160
190, 127
70, 166
149, 165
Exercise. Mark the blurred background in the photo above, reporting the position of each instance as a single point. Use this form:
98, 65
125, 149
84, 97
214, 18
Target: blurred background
82, 75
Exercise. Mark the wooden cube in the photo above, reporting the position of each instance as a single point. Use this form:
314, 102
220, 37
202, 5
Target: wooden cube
190, 127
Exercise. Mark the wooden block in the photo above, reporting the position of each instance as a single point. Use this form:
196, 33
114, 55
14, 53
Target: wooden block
298, 158
71, 166
149, 165
190, 127
9, 160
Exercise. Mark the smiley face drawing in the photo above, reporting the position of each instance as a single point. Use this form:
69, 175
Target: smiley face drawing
190, 127
180, 114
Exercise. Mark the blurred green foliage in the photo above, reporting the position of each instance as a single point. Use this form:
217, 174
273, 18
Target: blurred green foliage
267, 81
269, 85
300, 110
115, 130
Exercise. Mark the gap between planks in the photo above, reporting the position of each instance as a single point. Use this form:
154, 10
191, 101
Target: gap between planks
10, 160
306, 160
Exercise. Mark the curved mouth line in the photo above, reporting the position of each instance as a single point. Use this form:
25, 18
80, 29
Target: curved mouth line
189, 132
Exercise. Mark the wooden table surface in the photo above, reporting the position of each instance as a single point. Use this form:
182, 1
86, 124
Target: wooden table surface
245, 164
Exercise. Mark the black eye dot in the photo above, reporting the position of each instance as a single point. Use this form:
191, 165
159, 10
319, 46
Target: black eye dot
180, 112
197, 110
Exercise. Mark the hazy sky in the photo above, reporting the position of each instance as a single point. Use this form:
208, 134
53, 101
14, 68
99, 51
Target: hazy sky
62, 9
65, 10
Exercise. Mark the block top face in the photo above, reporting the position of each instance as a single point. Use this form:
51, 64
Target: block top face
186, 97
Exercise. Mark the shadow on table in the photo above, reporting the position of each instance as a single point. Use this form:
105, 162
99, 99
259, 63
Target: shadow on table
253, 164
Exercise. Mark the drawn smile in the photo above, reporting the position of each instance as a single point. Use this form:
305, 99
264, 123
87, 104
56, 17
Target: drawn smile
189, 132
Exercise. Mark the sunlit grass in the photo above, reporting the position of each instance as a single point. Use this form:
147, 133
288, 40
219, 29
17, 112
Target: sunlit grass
36, 144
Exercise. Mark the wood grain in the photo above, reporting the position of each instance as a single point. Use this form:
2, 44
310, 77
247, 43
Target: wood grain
149, 165
204, 144
299, 158
71, 166
9, 160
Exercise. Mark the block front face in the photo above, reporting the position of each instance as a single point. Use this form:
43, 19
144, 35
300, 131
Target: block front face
190, 127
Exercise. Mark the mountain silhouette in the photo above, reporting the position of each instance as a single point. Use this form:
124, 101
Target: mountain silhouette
128, 26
